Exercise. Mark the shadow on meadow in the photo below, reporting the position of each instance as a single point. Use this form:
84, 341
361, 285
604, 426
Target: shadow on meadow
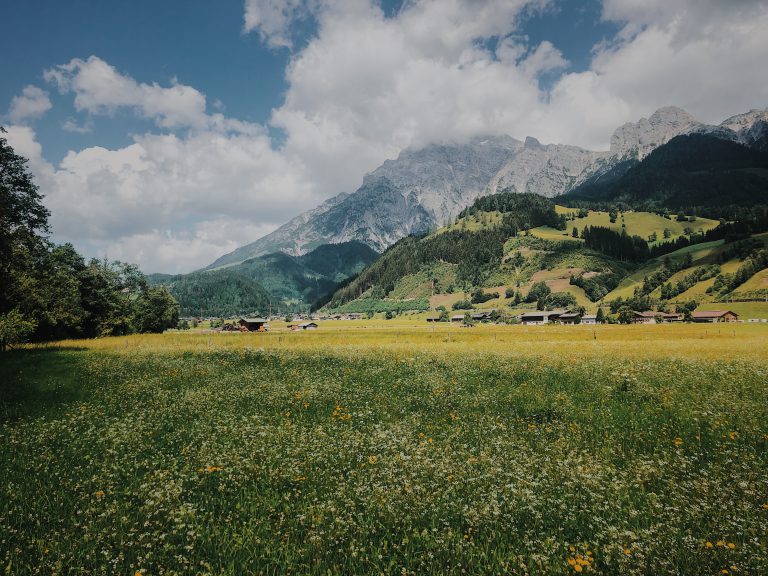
39, 380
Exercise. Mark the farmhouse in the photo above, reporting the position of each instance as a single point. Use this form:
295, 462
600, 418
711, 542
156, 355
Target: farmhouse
589, 319
714, 316
457, 318
481, 316
308, 326
253, 324
651, 317
540, 317
433, 318
569, 318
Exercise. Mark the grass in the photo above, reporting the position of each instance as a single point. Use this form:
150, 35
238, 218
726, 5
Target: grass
366, 448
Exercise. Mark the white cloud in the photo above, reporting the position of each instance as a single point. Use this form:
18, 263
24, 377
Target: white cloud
169, 251
31, 104
364, 87
100, 89
273, 19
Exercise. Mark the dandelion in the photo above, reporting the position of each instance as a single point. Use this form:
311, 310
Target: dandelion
627, 551
720, 543
373, 459
733, 435
731, 546
708, 545
678, 441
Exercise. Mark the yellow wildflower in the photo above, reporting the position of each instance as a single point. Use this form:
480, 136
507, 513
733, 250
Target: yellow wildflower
627, 551
731, 545
708, 545
372, 459
678, 441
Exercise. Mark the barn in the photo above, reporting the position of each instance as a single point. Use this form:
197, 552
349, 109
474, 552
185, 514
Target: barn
254, 324
714, 316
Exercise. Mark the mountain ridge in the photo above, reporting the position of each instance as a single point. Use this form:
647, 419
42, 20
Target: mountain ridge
426, 188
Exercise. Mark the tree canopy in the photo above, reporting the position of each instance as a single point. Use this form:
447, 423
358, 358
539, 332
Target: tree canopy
49, 291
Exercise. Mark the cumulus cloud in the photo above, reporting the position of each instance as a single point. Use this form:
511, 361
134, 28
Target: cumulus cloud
31, 104
362, 88
273, 19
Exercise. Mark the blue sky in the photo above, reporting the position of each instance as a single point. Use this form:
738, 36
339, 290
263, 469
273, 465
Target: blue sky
201, 44
167, 133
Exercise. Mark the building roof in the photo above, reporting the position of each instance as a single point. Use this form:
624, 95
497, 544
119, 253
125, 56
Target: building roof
712, 313
647, 314
568, 315
307, 325
542, 314
253, 320
589, 317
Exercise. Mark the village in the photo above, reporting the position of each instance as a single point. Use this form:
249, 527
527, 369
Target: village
309, 322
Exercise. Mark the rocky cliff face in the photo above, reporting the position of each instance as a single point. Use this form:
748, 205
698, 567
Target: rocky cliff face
426, 188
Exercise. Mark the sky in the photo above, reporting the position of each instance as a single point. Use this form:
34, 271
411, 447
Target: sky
169, 133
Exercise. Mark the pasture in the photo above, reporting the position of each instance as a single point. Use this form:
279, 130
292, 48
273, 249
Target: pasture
374, 448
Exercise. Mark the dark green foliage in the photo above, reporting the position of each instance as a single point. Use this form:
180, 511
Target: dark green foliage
668, 268
479, 296
669, 291
54, 292
217, 293
625, 315
725, 283
462, 305
538, 292
558, 300
620, 246
638, 302
284, 280
695, 170
524, 211
600, 317
598, 286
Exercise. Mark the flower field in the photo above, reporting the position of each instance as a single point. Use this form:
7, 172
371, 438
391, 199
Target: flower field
616, 450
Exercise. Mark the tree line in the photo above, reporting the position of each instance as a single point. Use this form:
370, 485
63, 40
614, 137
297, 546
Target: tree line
49, 291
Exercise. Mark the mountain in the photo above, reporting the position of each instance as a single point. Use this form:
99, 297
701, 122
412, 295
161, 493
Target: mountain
426, 188
217, 293
692, 170
516, 251
272, 281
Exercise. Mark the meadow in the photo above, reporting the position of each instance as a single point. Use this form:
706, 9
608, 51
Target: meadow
373, 448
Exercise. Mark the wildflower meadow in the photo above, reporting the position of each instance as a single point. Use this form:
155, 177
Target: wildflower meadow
493, 451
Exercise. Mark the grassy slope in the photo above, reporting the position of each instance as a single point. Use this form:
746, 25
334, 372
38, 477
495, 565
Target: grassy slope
642, 224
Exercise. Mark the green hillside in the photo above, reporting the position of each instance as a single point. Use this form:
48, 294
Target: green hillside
274, 281
215, 293
501, 250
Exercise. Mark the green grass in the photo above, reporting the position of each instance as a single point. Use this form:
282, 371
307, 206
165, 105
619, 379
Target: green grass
141, 455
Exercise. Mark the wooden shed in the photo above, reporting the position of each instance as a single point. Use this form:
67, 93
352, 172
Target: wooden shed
254, 324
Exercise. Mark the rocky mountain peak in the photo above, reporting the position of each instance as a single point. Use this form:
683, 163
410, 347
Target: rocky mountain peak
745, 121
638, 139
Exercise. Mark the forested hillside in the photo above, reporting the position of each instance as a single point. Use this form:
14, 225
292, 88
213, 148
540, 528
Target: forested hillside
690, 171
512, 252
275, 281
